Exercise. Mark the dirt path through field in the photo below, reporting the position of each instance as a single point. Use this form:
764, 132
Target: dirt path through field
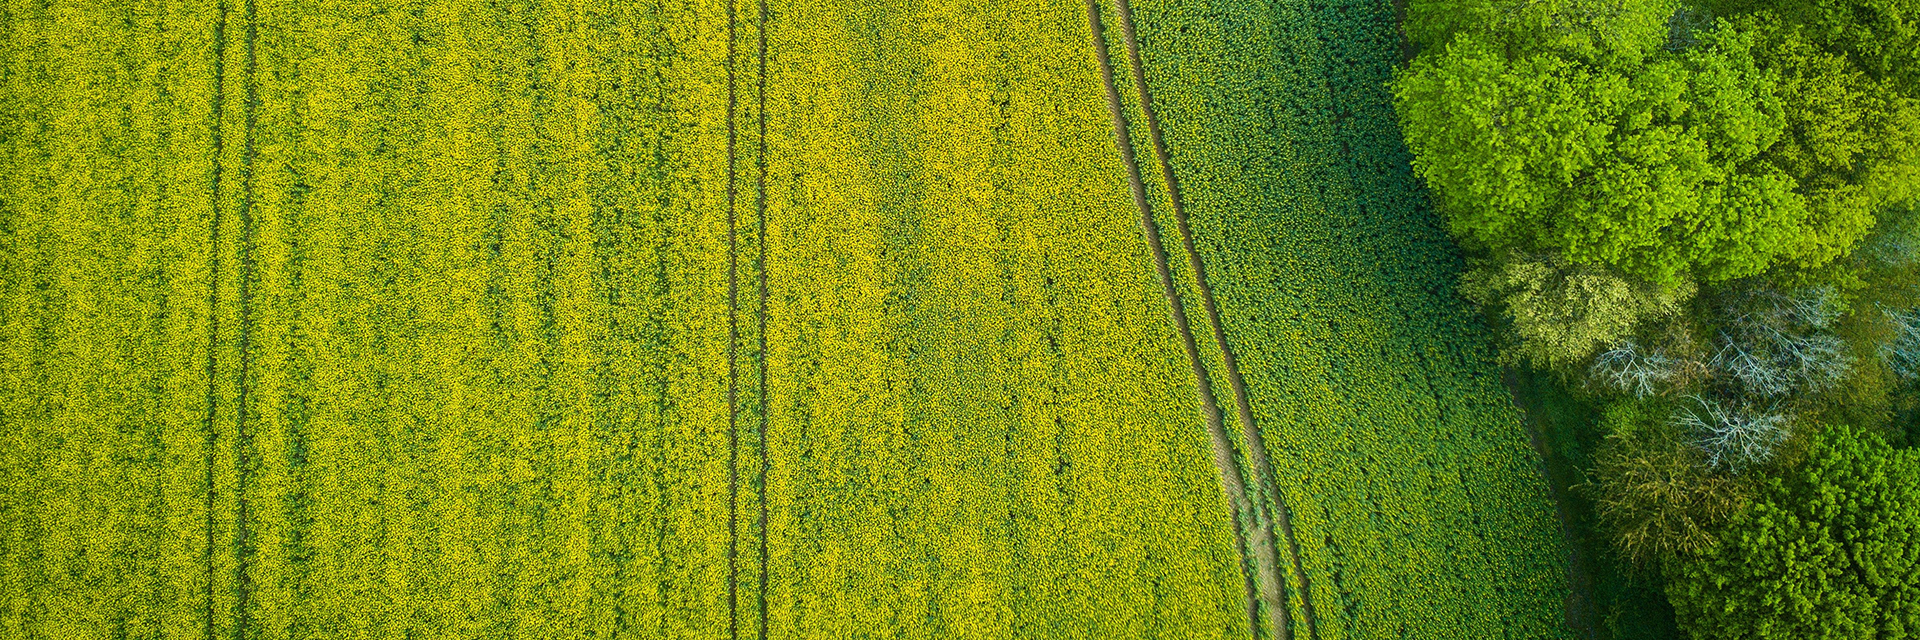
733, 329
242, 444
1582, 613
760, 313
1262, 579
1256, 443
758, 236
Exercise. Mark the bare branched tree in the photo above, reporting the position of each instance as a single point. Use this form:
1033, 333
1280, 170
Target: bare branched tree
1814, 361
1751, 366
1815, 308
1901, 352
1778, 344
1732, 436
1628, 368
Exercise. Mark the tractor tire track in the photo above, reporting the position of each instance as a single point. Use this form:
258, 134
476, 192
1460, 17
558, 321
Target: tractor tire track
760, 315
1256, 442
218, 109
1256, 567
242, 454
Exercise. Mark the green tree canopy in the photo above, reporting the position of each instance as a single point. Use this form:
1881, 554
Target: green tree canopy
1831, 550
1655, 140
1559, 314
1880, 38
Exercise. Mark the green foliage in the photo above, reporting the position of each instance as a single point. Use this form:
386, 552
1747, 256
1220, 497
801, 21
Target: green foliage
1559, 314
1878, 37
1605, 32
1653, 139
1644, 168
1852, 141
1827, 551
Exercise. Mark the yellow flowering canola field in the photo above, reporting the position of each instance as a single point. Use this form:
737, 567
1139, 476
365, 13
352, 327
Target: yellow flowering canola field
698, 319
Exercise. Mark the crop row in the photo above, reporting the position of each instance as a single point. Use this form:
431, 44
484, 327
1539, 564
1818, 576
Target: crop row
488, 392
1416, 501
468, 337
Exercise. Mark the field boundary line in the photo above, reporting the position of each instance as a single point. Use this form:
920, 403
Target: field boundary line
760, 187
1232, 482
1256, 442
733, 329
218, 109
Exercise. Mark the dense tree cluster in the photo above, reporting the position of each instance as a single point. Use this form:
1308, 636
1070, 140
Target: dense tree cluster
1701, 216
1830, 550
1655, 139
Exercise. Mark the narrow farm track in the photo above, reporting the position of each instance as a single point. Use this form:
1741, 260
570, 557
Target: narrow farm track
242, 442
1261, 578
760, 314
758, 482
1256, 442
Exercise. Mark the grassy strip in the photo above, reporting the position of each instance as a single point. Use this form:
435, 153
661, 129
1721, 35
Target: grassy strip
1611, 598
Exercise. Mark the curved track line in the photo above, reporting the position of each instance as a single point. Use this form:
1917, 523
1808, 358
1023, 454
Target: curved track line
1256, 442
1231, 481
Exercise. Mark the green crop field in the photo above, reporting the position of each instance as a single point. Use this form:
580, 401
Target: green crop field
810, 319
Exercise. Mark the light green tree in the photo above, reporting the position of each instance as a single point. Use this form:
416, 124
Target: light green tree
1559, 314
1644, 164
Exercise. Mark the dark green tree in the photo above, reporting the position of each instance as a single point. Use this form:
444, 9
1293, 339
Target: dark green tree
1829, 550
